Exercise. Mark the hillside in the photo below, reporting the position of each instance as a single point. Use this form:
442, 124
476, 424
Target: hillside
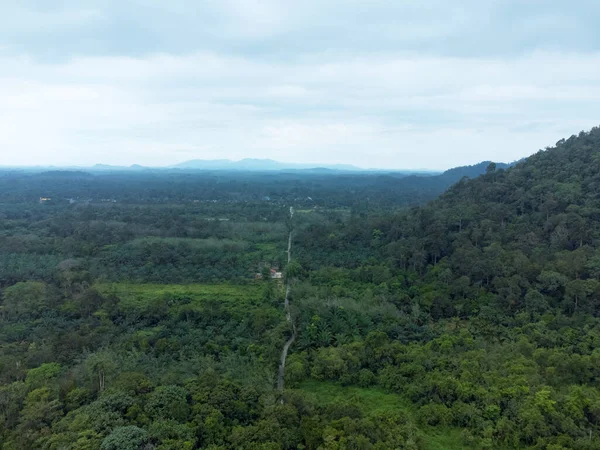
542, 215
473, 171
550, 198
507, 266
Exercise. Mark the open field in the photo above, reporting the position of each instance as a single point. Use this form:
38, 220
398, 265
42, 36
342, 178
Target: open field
139, 296
374, 401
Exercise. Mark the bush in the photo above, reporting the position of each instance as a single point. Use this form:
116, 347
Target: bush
365, 378
434, 414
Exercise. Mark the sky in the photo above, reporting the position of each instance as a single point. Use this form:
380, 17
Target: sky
399, 84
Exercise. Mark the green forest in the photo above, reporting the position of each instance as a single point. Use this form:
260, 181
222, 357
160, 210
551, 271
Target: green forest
140, 311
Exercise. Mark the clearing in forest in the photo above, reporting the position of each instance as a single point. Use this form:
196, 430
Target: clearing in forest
140, 296
375, 400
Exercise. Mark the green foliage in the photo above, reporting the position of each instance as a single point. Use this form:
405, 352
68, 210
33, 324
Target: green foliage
25, 299
169, 403
144, 297
125, 438
471, 322
42, 375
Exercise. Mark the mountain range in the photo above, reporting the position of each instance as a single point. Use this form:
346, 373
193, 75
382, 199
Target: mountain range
254, 164
269, 165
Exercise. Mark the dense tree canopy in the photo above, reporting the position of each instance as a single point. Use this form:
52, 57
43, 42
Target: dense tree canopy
152, 322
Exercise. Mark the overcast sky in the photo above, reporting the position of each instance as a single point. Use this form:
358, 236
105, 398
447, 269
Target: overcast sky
386, 84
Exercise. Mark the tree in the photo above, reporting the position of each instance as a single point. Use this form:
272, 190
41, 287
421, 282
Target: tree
168, 402
293, 270
100, 366
125, 438
43, 375
25, 299
40, 409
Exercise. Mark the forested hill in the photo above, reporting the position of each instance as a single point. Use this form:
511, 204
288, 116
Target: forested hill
498, 292
551, 180
473, 171
529, 235
545, 206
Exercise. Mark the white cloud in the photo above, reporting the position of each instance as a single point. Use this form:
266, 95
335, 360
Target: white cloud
384, 110
16, 18
383, 83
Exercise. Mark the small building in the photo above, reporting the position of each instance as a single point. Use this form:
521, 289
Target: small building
276, 275
273, 273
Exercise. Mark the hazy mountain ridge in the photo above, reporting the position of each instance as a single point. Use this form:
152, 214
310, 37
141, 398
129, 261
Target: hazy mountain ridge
258, 164
269, 165
474, 170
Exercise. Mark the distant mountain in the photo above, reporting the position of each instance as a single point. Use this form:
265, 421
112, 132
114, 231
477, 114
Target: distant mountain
435, 183
473, 171
253, 164
261, 165
119, 168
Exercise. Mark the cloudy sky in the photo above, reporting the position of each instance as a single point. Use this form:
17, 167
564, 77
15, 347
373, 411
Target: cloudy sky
387, 84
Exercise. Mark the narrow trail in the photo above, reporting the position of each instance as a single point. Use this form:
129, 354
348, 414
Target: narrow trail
288, 316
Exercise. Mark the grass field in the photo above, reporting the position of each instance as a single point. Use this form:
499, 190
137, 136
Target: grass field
139, 296
267, 251
373, 400
268, 247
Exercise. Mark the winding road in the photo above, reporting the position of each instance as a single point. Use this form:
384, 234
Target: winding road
288, 315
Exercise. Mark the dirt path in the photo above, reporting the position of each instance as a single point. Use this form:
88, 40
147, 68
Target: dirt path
288, 315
